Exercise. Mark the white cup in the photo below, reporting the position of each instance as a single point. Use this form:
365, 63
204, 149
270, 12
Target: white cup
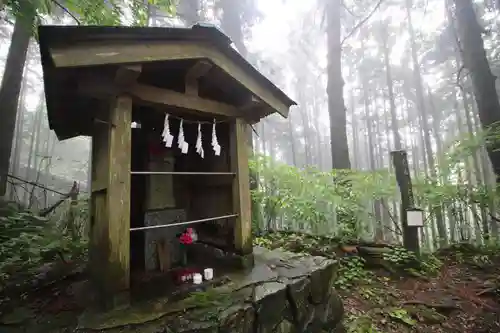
208, 273
197, 278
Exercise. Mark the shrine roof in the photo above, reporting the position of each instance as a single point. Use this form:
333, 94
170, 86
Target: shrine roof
69, 51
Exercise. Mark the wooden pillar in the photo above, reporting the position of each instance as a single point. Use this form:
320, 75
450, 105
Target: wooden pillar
110, 221
402, 171
241, 187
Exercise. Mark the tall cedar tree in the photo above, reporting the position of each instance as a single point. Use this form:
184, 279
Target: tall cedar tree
335, 88
483, 81
11, 87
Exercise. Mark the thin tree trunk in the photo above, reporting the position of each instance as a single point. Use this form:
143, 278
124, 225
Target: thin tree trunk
189, 11
11, 87
355, 143
292, 140
18, 137
29, 169
443, 237
335, 87
318, 131
388, 74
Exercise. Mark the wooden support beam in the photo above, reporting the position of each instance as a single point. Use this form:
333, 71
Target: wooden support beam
253, 103
127, 75
173, 98
92, 54
110, 224
241, 187
98, 239
153, 95
199, 70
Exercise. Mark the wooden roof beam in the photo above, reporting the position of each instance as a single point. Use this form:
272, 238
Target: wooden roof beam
193, 75
159, 96
173, 98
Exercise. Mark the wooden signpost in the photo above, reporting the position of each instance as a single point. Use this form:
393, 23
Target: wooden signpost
411, 217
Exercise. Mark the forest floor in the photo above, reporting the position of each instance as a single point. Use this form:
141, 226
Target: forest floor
460, 293
450, 302
457, 290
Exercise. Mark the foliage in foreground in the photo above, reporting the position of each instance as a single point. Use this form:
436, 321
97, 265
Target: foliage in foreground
28, 241
91, 12
352, 204
320, 202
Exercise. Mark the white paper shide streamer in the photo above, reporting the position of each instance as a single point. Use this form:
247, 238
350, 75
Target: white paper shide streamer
167, 137
181, 143
215, 143
199, 143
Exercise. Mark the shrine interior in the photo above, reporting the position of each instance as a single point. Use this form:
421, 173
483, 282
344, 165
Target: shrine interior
162, 199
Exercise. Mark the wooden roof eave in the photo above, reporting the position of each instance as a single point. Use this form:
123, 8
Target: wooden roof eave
94, 54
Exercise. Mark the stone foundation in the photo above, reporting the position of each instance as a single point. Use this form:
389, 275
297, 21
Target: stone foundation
282, 293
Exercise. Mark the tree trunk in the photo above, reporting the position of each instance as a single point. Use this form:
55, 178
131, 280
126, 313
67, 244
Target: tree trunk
11, 87
189, 11
388, 74
292, 140
354, 127
335, 87
302, 110
483, 81
29, 169
316, 110
443, 237
372, 149
18, 137
231, 23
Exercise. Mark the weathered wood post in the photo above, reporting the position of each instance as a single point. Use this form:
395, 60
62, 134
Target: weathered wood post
241, 188
410, 233
110, 222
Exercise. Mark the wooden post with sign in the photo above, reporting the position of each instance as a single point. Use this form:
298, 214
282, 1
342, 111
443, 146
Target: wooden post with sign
408, 211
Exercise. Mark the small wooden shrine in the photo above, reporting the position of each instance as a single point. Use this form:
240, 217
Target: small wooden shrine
168, 110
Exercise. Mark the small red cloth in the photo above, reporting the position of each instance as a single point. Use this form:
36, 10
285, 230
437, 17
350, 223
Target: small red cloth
187, 272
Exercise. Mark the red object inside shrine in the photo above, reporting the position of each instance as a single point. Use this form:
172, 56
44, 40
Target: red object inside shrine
184, 275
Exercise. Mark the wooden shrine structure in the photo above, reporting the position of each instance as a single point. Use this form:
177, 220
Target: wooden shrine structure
116, 85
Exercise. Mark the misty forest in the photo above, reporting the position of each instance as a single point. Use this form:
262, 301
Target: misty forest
395, 126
